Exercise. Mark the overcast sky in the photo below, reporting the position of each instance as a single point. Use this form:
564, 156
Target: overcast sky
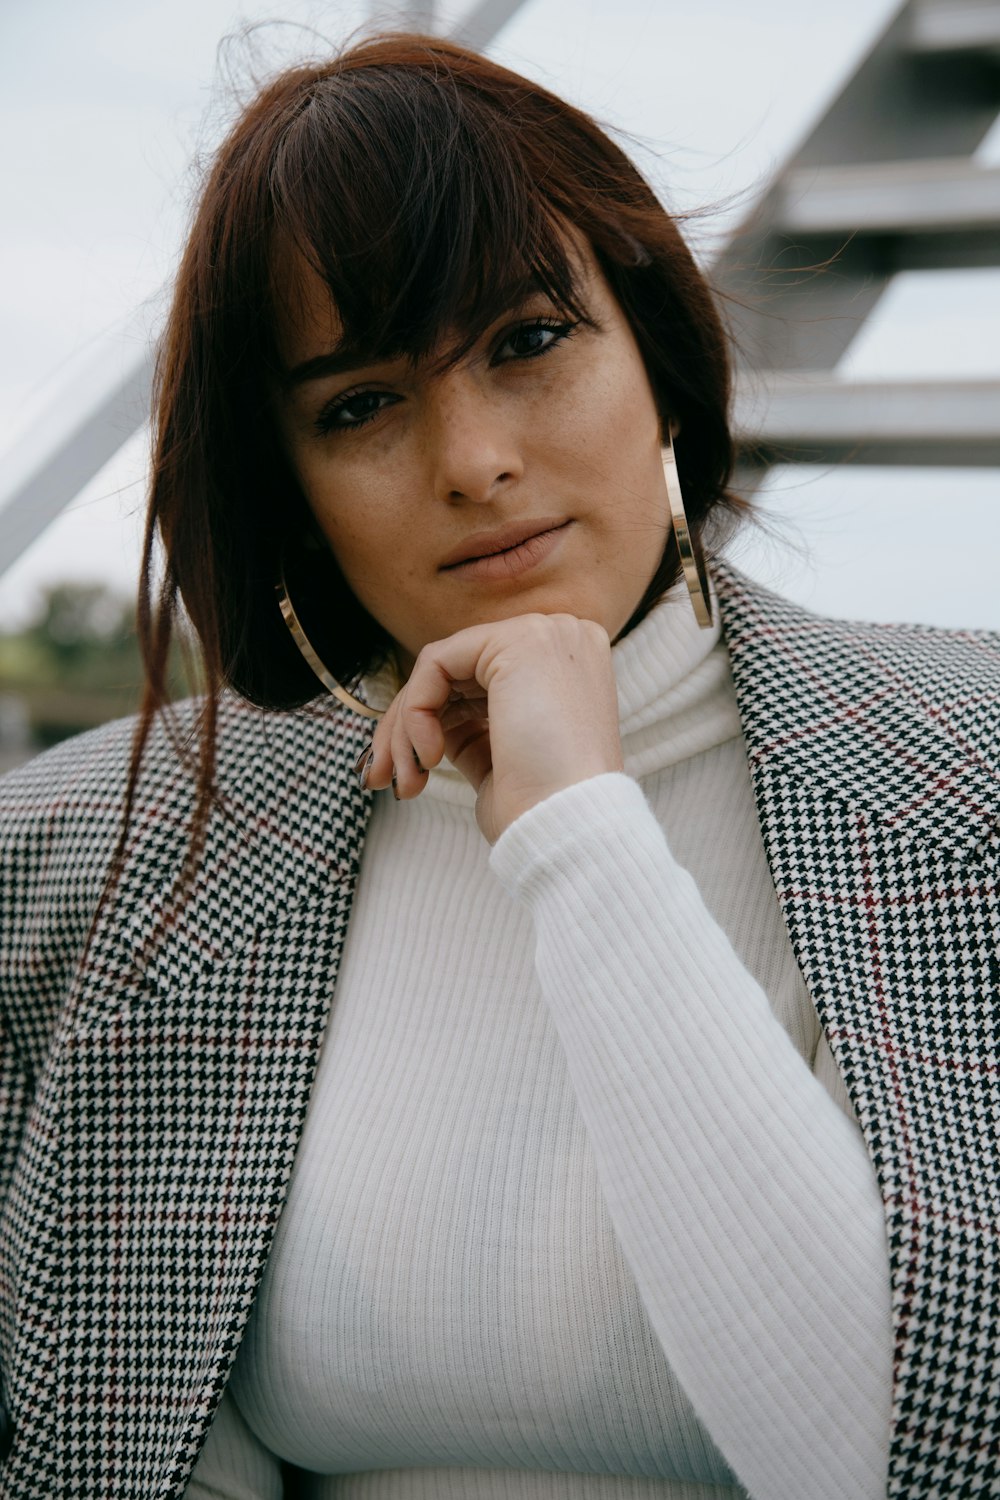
105, 106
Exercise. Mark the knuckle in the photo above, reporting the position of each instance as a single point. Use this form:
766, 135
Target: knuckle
596, 633
537, 623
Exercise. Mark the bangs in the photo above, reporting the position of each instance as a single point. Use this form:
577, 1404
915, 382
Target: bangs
412, 200
430, 190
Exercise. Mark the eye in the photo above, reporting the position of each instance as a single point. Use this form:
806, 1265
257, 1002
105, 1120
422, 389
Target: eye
529, 340
353, 409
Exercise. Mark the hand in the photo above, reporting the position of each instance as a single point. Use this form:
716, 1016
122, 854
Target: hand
522, 707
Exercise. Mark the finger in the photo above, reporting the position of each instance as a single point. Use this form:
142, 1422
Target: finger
379, 771
452, 667
418, 735
420, 738
467, 746
409, 774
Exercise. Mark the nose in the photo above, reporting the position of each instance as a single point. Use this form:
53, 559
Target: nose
472, 438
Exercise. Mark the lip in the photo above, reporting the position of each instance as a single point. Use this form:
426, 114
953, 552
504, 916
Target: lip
509, 565
483, 545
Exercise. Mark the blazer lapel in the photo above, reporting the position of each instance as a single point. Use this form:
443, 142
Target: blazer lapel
177, 1095
873, 755
170, 1111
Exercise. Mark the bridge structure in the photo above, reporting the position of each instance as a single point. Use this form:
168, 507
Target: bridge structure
887, 181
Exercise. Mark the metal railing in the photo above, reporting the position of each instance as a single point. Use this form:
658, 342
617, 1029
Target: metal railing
885, 182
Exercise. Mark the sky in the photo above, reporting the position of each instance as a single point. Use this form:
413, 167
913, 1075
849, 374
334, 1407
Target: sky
108, 108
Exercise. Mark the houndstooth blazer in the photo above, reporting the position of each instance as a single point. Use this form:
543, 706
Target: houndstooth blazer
152, 1098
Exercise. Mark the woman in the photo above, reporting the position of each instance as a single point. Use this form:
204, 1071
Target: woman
650, 1149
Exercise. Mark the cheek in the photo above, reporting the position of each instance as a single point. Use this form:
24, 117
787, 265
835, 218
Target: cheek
350, 509
363, 507
370, 534
619, 396
635, 405
615, 427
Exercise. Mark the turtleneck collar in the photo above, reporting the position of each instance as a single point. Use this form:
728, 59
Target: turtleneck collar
675, 694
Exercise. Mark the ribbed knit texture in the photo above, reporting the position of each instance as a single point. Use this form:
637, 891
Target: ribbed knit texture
567, 1178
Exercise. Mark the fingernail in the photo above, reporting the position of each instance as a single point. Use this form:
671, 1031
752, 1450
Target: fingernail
366, 770
416, 757
395, 789
359, 763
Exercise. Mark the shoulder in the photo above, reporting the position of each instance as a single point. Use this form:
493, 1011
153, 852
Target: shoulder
66, 805
68, 802
925, 673
756, 615
900, 720
61, 818
76, 791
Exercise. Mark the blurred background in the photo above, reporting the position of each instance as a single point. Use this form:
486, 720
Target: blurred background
864, 135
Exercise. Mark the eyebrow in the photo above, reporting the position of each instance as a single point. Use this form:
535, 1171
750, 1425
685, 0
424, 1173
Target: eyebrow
347, 357
339, 360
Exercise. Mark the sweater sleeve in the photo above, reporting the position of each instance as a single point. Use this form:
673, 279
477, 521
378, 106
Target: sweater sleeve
742, 1196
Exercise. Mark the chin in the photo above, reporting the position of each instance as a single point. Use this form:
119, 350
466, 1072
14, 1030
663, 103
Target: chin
543, 602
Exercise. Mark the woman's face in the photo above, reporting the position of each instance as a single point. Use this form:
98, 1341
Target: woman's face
527, 477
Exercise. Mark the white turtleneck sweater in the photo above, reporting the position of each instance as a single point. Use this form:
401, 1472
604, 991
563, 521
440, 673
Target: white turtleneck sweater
575, 1212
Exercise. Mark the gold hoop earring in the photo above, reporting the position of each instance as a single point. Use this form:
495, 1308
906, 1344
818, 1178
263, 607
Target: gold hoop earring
692, 561
311, 655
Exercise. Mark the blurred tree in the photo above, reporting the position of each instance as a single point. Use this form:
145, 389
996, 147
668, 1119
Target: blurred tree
87, 632
74, 666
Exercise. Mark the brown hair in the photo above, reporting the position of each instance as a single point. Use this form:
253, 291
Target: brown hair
420, 180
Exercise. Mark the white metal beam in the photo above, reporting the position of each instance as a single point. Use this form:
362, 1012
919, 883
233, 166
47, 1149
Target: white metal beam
83, 427
951, 423
931, 205
897, 107
954, 26
484, 21
73, 439
403, 15
895, 196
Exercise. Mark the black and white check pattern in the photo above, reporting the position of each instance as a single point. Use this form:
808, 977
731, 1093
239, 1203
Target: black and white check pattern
171, 1078
875, 754
152, 1099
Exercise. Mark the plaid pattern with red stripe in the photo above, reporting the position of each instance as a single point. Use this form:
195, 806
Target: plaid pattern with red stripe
169, 1078
152, 1100
875, 753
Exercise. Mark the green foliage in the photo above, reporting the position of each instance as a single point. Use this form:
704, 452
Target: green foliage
85, 637
77, 663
